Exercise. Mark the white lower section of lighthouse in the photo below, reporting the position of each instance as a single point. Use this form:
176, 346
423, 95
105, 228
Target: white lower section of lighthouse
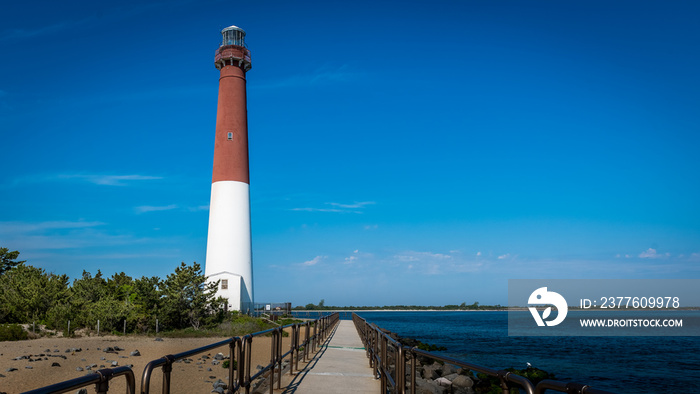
229, 255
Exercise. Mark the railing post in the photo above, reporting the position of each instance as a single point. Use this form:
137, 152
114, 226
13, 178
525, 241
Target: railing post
292, 348
232, 361
248, 345
307, 342
167, 369
102, 387
273, 360
383, 364
279, 358
400, 374
413, 371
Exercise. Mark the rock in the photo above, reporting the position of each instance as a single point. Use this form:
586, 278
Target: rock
449, 369
159, 339
114, 363
220, 383
55, 364
451, 376
82, 391
431, 371
462, 385
215, 362
424, 386
29, 367
10, 369
79, 369
56, 350
135, 353
117, 348
443, 382
218, 390
219, 356
2, 376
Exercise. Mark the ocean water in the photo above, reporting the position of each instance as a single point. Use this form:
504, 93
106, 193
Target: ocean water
618, 364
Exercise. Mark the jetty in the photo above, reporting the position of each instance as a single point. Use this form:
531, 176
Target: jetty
341, 363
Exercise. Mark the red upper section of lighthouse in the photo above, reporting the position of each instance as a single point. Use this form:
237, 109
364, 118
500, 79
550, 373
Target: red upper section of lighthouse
231, 141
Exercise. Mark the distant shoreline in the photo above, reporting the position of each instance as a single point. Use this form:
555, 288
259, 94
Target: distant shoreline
514, 309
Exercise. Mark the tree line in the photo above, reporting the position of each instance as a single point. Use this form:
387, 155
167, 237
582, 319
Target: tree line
183, 299
321, 306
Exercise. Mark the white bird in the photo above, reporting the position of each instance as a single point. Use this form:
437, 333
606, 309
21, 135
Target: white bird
529, 365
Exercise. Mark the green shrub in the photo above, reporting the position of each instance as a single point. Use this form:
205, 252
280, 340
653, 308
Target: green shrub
226, 364
12, 332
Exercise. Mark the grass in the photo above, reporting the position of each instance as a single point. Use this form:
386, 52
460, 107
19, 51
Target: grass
237, 325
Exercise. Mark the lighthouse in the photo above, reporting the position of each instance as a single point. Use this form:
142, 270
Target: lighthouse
229, 255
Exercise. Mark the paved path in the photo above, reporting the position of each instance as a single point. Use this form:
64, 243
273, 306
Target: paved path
340, 366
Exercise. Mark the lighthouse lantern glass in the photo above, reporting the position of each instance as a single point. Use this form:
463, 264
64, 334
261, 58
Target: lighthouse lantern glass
233, 36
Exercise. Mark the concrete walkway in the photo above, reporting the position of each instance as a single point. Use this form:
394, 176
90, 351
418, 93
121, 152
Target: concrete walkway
340, 366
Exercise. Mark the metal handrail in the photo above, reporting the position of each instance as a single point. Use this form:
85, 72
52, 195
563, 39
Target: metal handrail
241, 354
376, 343
166, 362
100, 379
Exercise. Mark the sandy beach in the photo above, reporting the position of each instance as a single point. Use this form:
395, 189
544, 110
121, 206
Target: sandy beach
196, 376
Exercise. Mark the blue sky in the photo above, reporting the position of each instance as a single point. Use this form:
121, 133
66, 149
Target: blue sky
401, 153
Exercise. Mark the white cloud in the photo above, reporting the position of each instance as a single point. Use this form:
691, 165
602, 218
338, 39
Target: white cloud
652, 254
504, 256
32, 236
109, 180
338, 207
151, 208
29, 227
307, 209
371, 227
313, 261
353, 257
354, 205
424, 257
478, 253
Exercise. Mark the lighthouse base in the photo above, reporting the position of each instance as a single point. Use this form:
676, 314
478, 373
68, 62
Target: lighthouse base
229, 255
232, 288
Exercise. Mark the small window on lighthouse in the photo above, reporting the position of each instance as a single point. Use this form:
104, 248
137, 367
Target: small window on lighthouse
229, 136
224, 284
